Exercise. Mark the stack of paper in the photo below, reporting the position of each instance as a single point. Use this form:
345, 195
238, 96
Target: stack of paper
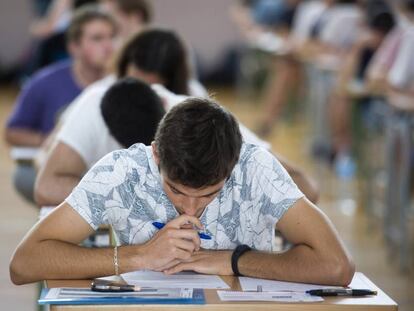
23, 153
179, 280
267, 290
84, 296
267, 296
251, 284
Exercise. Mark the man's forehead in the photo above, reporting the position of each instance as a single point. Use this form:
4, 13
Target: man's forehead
193, 192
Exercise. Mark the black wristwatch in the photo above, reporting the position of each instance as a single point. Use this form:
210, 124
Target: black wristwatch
237, 253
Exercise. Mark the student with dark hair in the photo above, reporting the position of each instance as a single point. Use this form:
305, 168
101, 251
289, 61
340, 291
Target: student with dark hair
146, 55
198, 147
131, 111
198, 174
48, 92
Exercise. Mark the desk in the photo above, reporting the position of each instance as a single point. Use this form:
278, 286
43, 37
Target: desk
380, 302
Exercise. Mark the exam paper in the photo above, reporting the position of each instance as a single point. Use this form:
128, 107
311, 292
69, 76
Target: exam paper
144, 278
251, 284
86, 293
23, 153
267, 296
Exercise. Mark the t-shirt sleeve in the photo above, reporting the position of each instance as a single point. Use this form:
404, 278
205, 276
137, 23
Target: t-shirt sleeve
274, 190
402, 71
28, 109
97, 196
79, 130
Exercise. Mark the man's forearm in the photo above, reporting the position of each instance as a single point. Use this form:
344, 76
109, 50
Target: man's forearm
53, 259
299, 264
23, 137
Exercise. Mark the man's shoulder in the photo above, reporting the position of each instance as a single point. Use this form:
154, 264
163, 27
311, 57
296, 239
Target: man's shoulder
251, 154
50, 73
138, 154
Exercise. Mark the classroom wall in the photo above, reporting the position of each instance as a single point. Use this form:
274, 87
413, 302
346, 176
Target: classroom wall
205, 25
15, 17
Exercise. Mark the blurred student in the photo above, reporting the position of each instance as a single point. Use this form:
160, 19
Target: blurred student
401, 74
131, 16
155, 56
90, 42
317, 32
49, 32
378, 22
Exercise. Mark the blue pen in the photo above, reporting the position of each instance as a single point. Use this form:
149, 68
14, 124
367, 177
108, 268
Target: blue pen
160, 225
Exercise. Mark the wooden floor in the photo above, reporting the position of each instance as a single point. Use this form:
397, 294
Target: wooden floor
289, 139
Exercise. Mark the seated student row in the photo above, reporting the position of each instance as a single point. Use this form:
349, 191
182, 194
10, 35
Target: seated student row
156, 56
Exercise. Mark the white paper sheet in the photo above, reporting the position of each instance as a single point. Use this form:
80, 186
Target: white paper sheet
179, 280
251, 284
23, 153
267, 296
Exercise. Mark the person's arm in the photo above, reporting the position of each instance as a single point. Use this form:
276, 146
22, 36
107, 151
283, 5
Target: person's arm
303, 181
62, 171
318, 255
24, 137
46, 25
51, 251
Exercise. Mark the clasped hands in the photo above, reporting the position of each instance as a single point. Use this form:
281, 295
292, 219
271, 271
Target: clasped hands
176, 247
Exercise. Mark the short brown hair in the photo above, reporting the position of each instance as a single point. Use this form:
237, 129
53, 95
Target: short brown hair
83, 16
138, 7
198, 143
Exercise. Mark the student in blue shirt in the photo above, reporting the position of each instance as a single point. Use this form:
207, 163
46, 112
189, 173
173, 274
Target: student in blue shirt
90, 42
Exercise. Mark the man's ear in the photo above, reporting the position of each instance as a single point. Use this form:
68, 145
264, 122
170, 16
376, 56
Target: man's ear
155, 153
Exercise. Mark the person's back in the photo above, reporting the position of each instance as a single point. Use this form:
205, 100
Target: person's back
333, 32
42, 99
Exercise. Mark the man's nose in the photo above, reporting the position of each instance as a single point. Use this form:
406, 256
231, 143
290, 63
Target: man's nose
190, 206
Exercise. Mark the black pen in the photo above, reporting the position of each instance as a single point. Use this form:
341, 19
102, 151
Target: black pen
108, 286
341, 292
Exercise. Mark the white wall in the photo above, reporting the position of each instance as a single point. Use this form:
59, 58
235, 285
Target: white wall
15, 17
204, 24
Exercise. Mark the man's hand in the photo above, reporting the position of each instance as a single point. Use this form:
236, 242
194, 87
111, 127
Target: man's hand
172, 244
206, 262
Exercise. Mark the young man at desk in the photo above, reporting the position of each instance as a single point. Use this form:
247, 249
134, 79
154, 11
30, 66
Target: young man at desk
198, 175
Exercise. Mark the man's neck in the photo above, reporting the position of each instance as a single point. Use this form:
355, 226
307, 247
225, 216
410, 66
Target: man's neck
85, 74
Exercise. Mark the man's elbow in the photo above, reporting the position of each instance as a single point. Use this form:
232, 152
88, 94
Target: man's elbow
19, 274
343, 271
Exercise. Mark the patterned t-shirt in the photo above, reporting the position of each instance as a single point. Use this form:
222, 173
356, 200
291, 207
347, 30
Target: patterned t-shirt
124, 190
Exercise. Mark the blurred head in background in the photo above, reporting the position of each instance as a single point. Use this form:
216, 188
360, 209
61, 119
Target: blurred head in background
156, 56
90, 37
131, 16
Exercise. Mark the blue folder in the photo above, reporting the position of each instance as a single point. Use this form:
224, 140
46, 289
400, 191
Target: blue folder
85, 296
